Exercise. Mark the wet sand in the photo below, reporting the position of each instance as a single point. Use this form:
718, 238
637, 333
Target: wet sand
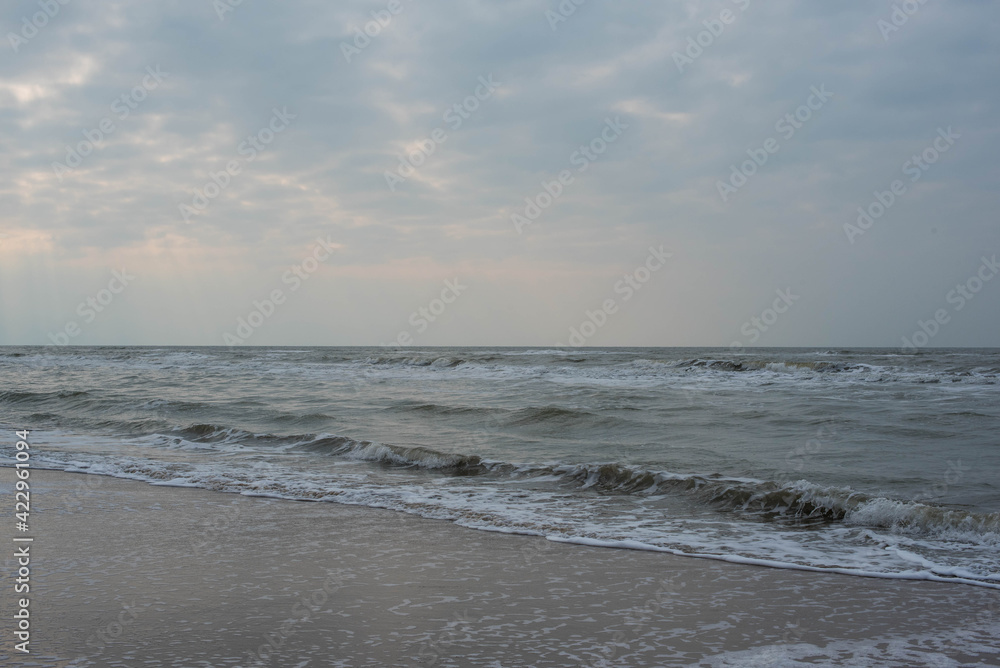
125, 573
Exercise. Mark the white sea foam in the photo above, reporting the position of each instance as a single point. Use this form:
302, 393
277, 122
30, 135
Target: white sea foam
976, 641
529, 506
871, 462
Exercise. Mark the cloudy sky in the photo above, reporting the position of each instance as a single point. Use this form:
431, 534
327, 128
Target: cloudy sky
370, 168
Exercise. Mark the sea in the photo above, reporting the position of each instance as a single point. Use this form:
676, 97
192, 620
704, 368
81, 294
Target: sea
872, 462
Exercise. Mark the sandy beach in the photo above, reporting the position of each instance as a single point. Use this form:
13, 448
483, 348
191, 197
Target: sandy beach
126, 573
500, 334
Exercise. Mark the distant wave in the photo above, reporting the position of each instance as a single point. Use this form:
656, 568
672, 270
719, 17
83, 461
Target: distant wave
40, 397
424, 360
775, 365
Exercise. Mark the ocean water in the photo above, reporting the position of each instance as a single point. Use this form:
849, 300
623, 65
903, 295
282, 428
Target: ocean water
863, 461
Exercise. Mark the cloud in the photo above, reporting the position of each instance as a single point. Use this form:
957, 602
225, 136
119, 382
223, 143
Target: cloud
325, 173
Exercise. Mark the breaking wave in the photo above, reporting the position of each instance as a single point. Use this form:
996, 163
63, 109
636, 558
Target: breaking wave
793, 503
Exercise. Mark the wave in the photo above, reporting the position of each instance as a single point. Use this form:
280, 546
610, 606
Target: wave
556, 415
395, 455
785, 524
209, 433
523, 417
794, 503
561, 361
440, 409
589, 366
426, 360
94, 399
800, 502
14, 397
774, 365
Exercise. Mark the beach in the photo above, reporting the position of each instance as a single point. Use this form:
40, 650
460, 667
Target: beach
126, 573
501, 334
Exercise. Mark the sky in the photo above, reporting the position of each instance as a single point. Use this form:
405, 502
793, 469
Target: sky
531, 172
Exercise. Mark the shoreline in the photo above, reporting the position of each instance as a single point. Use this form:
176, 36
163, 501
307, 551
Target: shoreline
927, 574
130, 573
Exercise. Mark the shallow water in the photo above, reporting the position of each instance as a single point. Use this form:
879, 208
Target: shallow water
865, 460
